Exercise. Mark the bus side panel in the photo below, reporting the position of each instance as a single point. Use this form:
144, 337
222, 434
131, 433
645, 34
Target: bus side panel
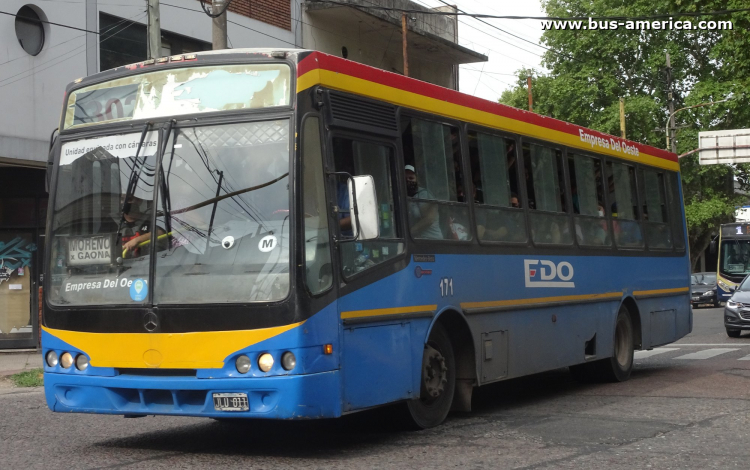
526, 320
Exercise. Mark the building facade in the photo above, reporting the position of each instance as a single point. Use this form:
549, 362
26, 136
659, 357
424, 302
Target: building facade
40, 58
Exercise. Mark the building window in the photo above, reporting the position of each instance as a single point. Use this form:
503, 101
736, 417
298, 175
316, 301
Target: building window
29, 30
122, 42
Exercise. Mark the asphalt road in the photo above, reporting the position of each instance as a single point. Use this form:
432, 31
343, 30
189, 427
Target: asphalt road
675, 412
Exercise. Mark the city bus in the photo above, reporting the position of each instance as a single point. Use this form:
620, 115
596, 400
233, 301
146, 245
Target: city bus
287, 234
734, 258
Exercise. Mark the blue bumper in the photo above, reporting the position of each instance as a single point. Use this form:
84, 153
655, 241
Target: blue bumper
285, 397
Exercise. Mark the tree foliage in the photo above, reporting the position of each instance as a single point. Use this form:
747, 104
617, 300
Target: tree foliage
590, 70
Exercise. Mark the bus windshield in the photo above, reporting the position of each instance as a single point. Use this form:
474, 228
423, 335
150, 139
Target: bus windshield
734, 259
180, 91
222, 217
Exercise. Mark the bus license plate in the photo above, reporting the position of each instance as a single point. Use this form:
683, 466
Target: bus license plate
231, 402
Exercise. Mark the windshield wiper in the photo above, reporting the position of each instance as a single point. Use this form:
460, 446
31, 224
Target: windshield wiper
133, 180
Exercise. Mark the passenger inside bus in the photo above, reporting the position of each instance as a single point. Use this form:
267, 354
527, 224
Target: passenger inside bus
424, 217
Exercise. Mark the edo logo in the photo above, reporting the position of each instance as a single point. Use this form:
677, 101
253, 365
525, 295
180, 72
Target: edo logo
545, 273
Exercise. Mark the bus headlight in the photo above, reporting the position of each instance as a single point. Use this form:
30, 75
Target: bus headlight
242, 364
82, 362
265, 362
66, 360
288, 361
724, 286
52, 359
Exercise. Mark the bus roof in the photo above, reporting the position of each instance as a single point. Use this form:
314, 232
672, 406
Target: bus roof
318, 68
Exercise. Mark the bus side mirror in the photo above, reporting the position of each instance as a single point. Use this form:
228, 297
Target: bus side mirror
363, 202
713, 247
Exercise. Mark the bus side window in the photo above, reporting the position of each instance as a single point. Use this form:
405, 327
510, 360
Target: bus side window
318, 272
653, 199
494, 176
545, 190
358, 157
675, 209
623, 205
587, 188
436, 198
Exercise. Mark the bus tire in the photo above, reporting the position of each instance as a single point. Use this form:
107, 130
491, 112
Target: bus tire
437, 382
618, 367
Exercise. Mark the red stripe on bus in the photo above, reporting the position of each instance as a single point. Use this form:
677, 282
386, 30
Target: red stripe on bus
365, 72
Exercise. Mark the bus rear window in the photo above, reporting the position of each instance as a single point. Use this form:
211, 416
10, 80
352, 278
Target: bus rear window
180, 91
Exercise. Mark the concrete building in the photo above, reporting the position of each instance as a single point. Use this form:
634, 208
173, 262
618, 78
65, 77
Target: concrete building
38, 59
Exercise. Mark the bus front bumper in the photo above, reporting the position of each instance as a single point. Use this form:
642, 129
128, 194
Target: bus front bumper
283, 397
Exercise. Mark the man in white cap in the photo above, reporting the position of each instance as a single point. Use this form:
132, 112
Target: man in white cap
423, 217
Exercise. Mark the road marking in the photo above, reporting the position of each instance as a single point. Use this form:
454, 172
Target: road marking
706, 354
746, 358
653, 352
734, 345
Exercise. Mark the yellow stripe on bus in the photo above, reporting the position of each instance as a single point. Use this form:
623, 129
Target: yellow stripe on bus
676, 290
199, 350
396, 96
387, 311
540, 300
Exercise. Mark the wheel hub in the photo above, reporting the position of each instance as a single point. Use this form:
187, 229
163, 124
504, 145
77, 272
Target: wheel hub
435, 373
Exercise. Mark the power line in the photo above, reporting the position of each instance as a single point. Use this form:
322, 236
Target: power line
229, 21
510, 17
499, 29
61, 58
37, 20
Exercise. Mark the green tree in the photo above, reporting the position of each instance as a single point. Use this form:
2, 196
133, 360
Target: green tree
590, 70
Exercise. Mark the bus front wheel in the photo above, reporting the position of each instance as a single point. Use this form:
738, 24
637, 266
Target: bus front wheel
437, 383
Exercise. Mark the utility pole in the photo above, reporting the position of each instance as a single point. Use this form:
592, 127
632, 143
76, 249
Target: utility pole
219, 30
404, 29
671, 144
154, 30
528, 85
622, 117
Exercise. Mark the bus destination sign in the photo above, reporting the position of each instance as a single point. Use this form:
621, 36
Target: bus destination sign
85, 251
735, 230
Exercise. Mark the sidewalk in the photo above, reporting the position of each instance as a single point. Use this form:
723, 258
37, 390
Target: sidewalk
12, 362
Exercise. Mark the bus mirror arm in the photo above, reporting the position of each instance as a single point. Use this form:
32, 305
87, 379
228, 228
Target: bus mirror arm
51, 157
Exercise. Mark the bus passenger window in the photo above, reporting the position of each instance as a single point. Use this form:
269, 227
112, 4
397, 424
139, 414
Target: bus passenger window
318, 271
675, 210
587, 190
437, 208
545, 189
623, 205
653, 198
377, 160
497, 206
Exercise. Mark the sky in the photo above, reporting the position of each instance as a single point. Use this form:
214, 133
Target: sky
506, 53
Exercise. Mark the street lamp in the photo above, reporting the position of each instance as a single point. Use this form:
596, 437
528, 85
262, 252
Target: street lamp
669, 120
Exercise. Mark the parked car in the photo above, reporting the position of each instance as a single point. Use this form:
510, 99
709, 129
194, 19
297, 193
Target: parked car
703, 289
737, 310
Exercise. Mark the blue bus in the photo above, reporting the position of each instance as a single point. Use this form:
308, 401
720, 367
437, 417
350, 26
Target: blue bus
286, 234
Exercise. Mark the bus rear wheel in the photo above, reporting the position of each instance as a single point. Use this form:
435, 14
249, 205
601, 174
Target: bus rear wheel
618, 367
437, 383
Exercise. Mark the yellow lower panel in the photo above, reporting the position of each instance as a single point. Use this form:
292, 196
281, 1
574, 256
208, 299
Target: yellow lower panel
201, 350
